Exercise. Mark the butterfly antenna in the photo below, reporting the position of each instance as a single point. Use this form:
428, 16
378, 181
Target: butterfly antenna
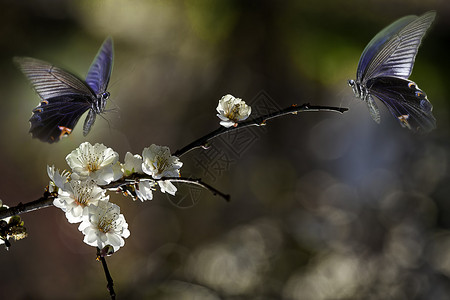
115, 109
107, 120
123, 74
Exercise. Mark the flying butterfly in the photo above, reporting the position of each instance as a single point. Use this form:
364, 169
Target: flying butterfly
384, 68
64, 96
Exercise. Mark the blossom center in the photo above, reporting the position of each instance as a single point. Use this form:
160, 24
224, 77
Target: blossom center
162, 164
82, 195
233, 112
93, 166
107, 222
92, 160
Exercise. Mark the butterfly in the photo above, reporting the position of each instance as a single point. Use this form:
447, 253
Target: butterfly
64, 96
384, 68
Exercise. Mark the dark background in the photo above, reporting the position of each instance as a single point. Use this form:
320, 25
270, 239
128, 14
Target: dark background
324, 206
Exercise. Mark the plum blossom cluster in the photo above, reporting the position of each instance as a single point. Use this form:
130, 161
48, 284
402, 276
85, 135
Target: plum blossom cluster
81, 192
232, 110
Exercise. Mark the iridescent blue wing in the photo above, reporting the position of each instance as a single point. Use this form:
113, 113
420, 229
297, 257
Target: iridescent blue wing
405, 101
57, 116
393, 50
100, 70
64, 99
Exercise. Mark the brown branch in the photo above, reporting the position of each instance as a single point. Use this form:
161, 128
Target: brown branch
260, 121
135, 178
109, 280
45, 201
199, 182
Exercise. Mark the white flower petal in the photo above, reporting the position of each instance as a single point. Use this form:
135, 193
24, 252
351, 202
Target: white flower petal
58, 179
227, 123
144, 190
167, 186
132, 164
92, 237
114, 240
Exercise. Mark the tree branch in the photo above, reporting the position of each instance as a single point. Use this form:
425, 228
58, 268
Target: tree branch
109, 280
136, 177
260, 121
45, 201
199, 182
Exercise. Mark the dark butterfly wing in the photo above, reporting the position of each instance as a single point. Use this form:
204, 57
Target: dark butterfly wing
405, 101
64, 99
393, 50
57, 116
100, 70
50, 81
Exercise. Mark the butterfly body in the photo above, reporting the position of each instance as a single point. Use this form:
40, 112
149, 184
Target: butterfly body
383, 71
65, 97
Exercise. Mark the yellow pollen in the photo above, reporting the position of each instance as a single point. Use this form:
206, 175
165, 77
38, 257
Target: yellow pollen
233, 112
82, 196
92, 166
106, 224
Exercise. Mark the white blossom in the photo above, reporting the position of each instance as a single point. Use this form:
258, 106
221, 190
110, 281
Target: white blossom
167, 186
56, 179
144, 190
95, 161
232, 110
104, 225
117, 171
75, 197
159, 163
132, 164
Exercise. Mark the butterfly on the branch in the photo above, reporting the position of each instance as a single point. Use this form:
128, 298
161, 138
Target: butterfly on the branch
64, 96
384, 68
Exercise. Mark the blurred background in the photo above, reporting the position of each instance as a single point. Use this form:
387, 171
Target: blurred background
323, 205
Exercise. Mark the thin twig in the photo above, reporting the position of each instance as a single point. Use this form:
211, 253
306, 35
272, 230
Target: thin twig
110, 285
135, 178
199, 182
260, 121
